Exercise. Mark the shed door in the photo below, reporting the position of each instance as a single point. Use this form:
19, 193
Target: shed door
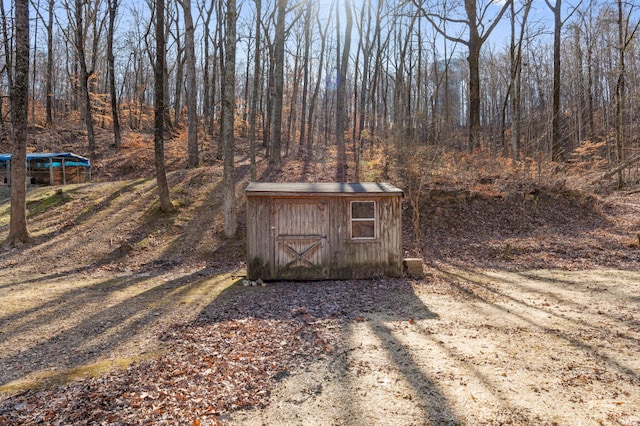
300, 240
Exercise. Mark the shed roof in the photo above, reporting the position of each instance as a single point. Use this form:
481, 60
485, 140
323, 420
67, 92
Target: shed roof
79, 160
332, 188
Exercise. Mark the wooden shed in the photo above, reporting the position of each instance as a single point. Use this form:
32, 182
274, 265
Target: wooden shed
312, 231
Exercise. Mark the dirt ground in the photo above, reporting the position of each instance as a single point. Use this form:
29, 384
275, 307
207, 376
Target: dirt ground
458, 347
117, 314
480, 347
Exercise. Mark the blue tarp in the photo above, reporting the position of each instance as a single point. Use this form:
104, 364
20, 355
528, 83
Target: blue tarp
70, 159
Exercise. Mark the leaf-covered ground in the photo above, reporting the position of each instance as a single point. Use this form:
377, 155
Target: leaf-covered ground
209, 371
118, 314
459, 347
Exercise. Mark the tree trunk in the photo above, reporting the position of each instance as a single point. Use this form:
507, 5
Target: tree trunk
620, 93
206, 83
117, 138
253, 107
294, 100
556, 146
6, 41
278, 86
266, 123
192, 97
617, 169
305, 78
474, 45
84, 74
516, 79
221, 65
316, 90
228, 112
159, 113
8, 59
341, 118
34, 76
49, 83
590, 85
18, 232
177, 105
364, 89
355, 138
580, 100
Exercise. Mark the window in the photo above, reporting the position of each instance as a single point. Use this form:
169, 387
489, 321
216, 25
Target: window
363, 220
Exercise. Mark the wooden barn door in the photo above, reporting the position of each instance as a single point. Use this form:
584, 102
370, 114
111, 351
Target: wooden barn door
300, 241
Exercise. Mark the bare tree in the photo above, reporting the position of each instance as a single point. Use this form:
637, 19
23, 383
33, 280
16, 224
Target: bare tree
192, 105
253, 107
270, 90
228, 113
377, 98
85, 73
316, 90
117, 134
49, 83
34, 71
8, 55
206, 71
515, 79
625, 37
278, 86
478, 33
341, 117
556, 144
174, 18
586, 25
293, 98
220, 63
18, 232
556, 147
305, 76
159, 113
366, 43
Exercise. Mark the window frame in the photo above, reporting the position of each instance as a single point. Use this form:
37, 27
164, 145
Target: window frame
367, 219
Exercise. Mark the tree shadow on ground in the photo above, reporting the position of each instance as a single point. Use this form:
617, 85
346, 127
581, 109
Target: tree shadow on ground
376, 303
118, 199
348, 300
99, 327
524, 301
203, 231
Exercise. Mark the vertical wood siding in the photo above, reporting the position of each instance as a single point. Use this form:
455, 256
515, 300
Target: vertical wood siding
280, 227
300, 238
260, 262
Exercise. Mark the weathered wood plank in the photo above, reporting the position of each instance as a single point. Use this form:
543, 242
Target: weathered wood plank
307, 235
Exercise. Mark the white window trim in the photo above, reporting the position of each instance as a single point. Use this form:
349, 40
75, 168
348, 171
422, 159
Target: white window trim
368, 219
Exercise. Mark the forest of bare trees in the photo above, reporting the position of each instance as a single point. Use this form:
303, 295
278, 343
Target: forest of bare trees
507, 135
548, 80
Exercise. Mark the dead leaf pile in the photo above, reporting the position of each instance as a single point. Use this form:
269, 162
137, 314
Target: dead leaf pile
210, 370
230, 358
561, 230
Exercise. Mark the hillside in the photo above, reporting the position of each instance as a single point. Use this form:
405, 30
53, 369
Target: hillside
115, 226
116, 312
482, 217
